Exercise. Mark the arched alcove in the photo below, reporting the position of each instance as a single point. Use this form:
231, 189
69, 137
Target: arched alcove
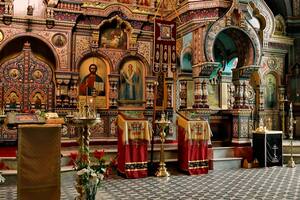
38, 47
233, 44
27, 75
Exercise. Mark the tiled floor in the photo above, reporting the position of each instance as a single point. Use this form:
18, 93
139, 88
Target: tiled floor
264, 183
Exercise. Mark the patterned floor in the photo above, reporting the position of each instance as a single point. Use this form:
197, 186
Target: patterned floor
263, 183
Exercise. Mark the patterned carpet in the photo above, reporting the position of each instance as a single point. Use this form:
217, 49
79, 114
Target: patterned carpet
263, 183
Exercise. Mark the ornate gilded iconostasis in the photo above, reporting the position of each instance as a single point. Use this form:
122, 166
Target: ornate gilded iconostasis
222, 60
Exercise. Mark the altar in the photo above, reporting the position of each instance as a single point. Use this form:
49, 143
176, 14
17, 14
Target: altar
133, 139
193, 136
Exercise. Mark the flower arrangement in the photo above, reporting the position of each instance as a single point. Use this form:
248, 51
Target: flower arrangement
88, 176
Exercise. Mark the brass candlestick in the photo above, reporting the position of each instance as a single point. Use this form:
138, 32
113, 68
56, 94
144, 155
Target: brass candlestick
162, 123
291, 162
283, 100
83, 119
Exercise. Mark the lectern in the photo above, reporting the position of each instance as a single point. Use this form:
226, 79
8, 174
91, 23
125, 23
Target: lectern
39, 162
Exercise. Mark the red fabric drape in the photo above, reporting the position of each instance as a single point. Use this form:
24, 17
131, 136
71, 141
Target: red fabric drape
192, 154
133, 157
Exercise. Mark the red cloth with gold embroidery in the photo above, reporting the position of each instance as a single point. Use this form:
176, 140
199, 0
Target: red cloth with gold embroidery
193, 137
133, 139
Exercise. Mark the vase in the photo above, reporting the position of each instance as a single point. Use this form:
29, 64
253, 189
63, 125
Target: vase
86, 193
91, 191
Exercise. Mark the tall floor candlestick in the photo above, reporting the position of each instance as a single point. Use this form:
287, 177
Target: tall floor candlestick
291, 162
162, 123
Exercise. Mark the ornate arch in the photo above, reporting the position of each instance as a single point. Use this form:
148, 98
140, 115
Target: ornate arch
99, 54
266, 12
235, 19
44, 40
186, 50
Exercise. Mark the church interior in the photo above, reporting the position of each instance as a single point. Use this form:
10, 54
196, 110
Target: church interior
149, 99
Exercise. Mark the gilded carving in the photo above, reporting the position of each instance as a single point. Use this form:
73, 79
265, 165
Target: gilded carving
82, 45
1, 36
144, 48
10, 33
179, 44
61, 51
115, 57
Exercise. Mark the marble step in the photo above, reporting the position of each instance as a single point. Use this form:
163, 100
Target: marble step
111, 152
286, 144
287, 156
287, 149
226, 163
223, 152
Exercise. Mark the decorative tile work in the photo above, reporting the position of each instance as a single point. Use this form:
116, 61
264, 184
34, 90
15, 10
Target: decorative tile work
260, 183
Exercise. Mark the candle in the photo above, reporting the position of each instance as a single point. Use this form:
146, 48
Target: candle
86, 96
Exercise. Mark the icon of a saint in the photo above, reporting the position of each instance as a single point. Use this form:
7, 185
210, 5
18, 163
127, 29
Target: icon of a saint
14, 73
38, 102
13, 102
271, 93
92, 83
59, 40
130, 79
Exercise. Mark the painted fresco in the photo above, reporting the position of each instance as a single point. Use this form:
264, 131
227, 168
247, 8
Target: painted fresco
114, 38
93, 73
131, 81
270, 92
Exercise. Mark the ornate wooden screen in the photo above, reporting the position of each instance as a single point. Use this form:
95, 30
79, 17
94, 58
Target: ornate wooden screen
26, 83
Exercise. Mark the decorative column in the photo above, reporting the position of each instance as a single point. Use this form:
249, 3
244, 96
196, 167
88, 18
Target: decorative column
65, 91
183, 87
169, 84
283, 100
201, 75
8, 12
225, 90
241, 112
260, 104
113, 90
150, 88
296, 8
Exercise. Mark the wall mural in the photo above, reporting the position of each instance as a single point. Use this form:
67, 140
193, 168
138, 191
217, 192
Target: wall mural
270, 92
131, 81
93, 73
114, 38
